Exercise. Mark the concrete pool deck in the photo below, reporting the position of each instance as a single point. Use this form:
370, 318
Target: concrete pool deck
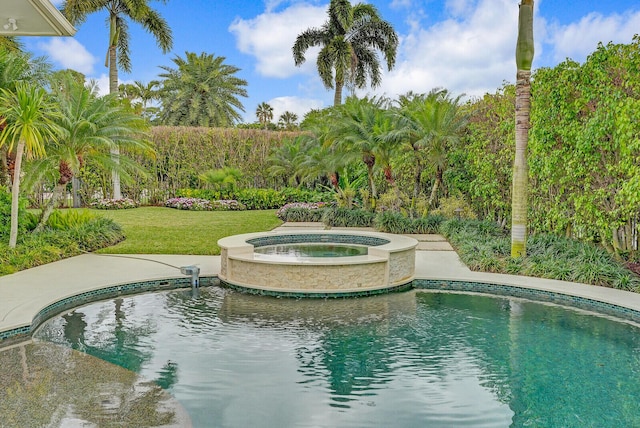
24, 294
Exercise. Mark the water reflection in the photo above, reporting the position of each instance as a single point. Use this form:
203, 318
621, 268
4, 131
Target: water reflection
395, 360
43, 384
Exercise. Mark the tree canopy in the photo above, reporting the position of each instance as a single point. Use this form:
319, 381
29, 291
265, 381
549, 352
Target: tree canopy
201, 91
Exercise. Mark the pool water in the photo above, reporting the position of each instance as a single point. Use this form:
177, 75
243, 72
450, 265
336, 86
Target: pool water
412, 359
298, 250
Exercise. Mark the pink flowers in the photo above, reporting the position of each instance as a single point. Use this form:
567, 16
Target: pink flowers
114, 204
197, 204
281, 213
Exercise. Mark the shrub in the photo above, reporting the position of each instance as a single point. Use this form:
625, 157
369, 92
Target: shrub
192, 204
293, 194
448, 206
260, 199
60, 220
345, 217
227, 205
98, 233
301, 211
55, 244
484, 246
394, 222
208, 194
5, 214
392, 200
114, 204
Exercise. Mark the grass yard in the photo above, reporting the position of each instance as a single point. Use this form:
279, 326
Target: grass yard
157, 230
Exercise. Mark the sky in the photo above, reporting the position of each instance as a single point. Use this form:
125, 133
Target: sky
465, 46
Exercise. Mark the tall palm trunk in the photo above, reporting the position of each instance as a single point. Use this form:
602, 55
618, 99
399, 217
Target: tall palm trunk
337, 96
524, 58
113, 88
436, 186
418, 172
370, 160
15, 195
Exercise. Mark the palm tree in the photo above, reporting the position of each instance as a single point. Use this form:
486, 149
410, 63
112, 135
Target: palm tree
120, 11
355, 133
76, 11
201, 91
26, 115
90, 126
349, 40
288, 121
264, 113
524, 59
15, 67
430, 124
318, 155
139, 94
284, 161
10, 43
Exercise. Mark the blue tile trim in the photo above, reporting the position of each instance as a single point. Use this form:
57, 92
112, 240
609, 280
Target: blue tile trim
531, 294
315, 295
24, 332
371, 241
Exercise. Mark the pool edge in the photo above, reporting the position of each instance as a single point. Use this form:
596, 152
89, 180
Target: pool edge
17, 334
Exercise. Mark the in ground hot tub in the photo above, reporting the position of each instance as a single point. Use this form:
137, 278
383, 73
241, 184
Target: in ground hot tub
330, 262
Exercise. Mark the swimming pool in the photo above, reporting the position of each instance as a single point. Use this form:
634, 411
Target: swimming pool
302, 250
406, 359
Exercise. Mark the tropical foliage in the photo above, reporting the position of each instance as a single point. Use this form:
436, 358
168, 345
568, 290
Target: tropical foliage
26, 115
89, 128
201, 91
585, 148
120, 13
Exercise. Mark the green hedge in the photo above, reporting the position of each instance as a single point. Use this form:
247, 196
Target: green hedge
257, 199
183, 153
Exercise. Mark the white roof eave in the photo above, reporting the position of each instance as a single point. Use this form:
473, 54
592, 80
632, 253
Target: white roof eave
33, 18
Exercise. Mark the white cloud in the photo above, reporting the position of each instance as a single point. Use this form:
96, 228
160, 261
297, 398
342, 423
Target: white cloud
577, 40
297, 105
69, 53
270, 36
470, 54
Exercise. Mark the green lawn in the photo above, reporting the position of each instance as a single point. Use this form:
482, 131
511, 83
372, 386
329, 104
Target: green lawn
156, 230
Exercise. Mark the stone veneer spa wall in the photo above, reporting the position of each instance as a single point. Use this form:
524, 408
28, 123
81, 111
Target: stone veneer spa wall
390, 262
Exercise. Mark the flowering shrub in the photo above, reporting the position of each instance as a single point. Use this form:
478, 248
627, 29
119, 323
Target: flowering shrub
114, 204
301, 211
228, 205
193, 204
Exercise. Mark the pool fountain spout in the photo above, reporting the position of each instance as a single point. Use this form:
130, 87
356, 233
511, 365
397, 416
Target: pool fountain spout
194, 271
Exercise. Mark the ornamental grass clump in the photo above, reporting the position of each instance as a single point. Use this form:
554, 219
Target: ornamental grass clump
114, 204
485, 246
192, 204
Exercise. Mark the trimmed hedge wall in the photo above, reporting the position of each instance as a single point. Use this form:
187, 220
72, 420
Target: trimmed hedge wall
182, 153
